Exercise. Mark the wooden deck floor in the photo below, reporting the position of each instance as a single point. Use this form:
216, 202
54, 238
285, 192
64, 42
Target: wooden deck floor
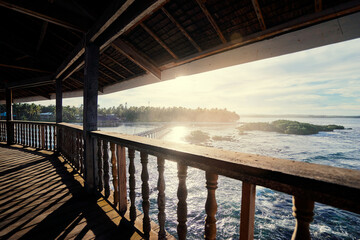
41, 197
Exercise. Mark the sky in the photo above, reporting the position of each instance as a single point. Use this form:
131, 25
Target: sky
320, 81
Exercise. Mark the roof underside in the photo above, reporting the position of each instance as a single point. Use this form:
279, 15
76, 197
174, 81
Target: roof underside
44, 40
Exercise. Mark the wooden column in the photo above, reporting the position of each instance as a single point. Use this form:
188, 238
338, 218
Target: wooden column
58, 111
121, 162
211, 206
161, 197
247, 218
182, 205
9, 116
91, 75
303, 211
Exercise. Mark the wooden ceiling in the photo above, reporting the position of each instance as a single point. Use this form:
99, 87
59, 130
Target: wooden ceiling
44, 40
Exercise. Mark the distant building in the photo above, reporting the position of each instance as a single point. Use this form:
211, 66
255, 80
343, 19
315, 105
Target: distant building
46, 116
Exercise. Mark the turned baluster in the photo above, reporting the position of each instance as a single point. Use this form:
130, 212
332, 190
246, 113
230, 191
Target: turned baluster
22, 134
161, 197
34, 135
211, 206
114, 173
303, 211
106, 169
51, 137
42, 137
46, 137
77, 156
131, 153
121, 163
31, 134
182, 205
81, 152
100, 165
145, 194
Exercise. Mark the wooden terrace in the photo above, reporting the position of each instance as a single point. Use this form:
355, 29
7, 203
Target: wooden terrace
63, 49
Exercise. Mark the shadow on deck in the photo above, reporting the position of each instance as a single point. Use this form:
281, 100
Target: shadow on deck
41, 197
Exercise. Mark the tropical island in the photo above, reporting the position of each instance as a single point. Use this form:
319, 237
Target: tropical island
123, 113
288, 127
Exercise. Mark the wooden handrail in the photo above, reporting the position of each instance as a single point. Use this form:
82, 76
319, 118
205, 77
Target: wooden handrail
34, 122
333, 186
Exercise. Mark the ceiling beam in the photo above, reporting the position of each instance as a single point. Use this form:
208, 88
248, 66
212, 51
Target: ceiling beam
108, 76
44, 15
131, 53
318, 5
42, 36
39, 93
157, 39
259, 15
119, 64
186, 34
211, 20
112, 70
111, 14
24, 68
32, 82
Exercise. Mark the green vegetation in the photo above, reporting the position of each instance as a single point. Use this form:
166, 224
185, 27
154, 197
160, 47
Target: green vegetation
24, 111
198, 137
223, 138
289, 127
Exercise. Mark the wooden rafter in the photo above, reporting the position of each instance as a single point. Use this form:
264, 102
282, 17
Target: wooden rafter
318, 5
32, 82
211, 20
42, 36
23, 68
30, 11
112, 70
158, 40
108, 18
117, 63
108, 76
181, 29
39, 93
259, 15
131, 53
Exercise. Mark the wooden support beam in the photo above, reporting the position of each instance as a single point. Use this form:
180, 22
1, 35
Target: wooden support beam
117, 63
44, 15
181, 29
42, 36
111, 14
91, 75
112, 70
38, 93
259, 15
108, 76
211, 20
158, 40
318, 5
23, 68
247, 219
32, 82
118, 31
131, 53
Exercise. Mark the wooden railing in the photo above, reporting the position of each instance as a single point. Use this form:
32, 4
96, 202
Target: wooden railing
71, 141
308, 183
41, 135
3, 134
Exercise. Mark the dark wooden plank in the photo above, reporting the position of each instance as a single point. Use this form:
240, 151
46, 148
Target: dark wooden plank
259, 15
40, 14
157, 39
211, 20
131, 53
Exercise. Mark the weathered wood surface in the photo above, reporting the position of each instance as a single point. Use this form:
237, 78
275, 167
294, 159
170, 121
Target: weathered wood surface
333, 186
42, 196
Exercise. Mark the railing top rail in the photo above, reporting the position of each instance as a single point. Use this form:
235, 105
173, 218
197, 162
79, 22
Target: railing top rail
334, 186
33, 122
69, 125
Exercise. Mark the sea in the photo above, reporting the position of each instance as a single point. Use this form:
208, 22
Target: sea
273, 213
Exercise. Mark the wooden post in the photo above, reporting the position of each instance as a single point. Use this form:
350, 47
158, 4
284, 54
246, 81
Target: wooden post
91, 73
247, 218
58, 112
182, 205
303, 211
132, 184
9, 116
145, 194
161, 197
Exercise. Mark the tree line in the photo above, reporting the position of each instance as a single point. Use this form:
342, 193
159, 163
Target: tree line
31, 112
